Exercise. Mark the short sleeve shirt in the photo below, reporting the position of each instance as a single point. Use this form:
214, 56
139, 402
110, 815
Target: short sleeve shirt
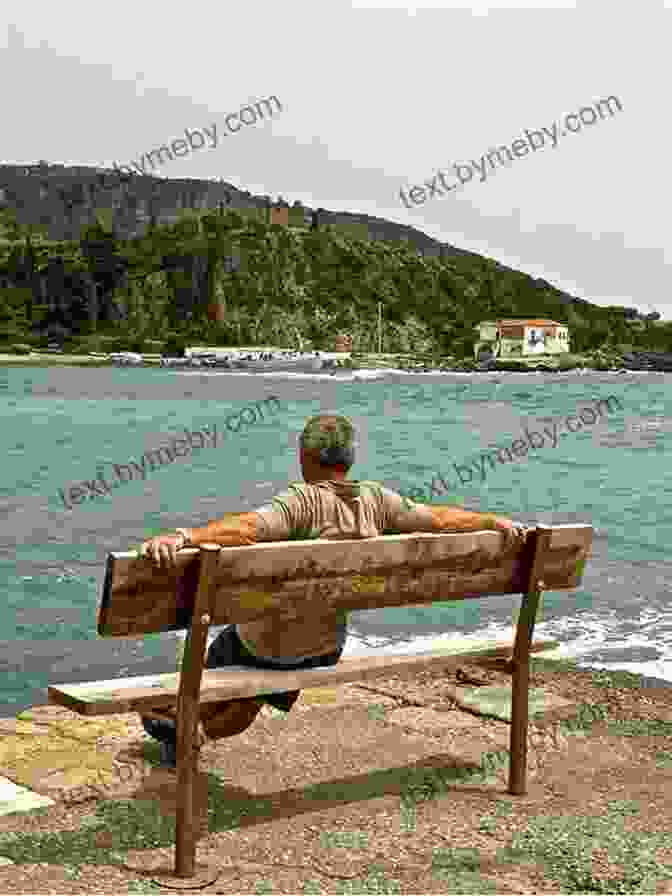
340, 509
332, 509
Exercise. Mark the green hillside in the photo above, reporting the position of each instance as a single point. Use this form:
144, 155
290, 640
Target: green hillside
288, 286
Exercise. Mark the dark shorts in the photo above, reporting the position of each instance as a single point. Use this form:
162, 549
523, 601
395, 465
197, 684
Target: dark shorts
228, 650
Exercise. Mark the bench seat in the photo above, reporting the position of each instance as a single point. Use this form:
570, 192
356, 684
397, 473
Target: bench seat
155, 691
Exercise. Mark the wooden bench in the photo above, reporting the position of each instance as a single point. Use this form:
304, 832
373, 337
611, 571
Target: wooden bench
216, 586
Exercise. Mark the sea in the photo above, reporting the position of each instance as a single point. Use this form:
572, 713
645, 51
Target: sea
64, 425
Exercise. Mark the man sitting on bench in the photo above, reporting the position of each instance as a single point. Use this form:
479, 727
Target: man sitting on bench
325, 505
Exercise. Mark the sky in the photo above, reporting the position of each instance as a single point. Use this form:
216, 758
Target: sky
378, 96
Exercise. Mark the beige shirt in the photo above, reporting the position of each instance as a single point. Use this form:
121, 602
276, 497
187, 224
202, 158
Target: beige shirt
333, 510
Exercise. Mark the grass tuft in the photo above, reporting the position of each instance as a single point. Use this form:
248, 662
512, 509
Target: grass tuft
585, 715
640, 728
459, 868
610, 678
564, 847
142, 886
374, 882
664, 759
376, 711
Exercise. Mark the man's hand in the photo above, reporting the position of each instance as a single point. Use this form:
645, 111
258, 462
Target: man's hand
162, 549
512, 531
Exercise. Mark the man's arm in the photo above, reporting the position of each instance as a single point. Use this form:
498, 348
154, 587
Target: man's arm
233, 530
404, 515
287, 513
457, 519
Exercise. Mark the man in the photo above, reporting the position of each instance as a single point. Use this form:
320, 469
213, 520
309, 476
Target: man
325, 505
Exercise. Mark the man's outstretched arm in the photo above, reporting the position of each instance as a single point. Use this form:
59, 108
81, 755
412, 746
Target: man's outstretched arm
407, 516
233, 530
277, 521
456, 519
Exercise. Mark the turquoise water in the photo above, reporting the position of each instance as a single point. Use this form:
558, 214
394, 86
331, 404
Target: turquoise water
61, 426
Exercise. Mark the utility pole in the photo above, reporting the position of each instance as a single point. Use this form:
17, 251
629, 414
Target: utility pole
380, 328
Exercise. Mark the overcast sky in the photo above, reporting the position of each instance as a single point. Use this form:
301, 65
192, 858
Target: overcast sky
377, 96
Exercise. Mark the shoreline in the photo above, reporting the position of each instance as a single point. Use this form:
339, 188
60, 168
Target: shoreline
368, 364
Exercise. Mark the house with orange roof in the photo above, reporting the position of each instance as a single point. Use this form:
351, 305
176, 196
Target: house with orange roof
519, 338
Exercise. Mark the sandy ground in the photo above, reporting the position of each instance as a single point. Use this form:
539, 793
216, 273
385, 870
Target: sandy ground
387, 787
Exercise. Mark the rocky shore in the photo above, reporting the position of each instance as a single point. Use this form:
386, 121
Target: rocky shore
330, 363
648, 361
600, 360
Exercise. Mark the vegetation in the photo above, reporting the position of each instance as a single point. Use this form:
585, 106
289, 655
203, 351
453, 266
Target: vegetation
287, 286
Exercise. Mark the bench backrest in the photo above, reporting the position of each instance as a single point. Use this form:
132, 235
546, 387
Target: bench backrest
292, 578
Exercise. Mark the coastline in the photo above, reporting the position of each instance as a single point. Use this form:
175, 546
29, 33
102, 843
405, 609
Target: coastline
370, 363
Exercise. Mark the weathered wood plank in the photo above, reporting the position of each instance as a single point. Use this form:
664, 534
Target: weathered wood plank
290, 578
151, 691
540, 543
188, 700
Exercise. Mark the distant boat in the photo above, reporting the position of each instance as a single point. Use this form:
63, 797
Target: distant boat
221, 363
281, 365
175, 362
258, 362
126, 358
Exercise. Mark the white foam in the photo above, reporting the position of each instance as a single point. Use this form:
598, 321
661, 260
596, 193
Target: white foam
574, 649
594, 631
341, 376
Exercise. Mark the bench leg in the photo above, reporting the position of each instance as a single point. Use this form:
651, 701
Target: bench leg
186, 875
520, 693
187, 770
188, 700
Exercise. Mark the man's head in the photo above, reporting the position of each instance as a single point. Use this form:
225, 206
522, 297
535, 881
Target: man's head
326, 449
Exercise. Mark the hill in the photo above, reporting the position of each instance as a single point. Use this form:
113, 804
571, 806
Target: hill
90, 259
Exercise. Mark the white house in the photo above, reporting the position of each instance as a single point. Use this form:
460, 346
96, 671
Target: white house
510, 338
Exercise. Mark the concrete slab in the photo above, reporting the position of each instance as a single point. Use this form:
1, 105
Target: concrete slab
320, 695
77, 754
496, 701
15, 798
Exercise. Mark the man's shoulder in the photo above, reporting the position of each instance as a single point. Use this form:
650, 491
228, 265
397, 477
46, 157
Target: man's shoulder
363, 488
372, 487
299, 484
294, 488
